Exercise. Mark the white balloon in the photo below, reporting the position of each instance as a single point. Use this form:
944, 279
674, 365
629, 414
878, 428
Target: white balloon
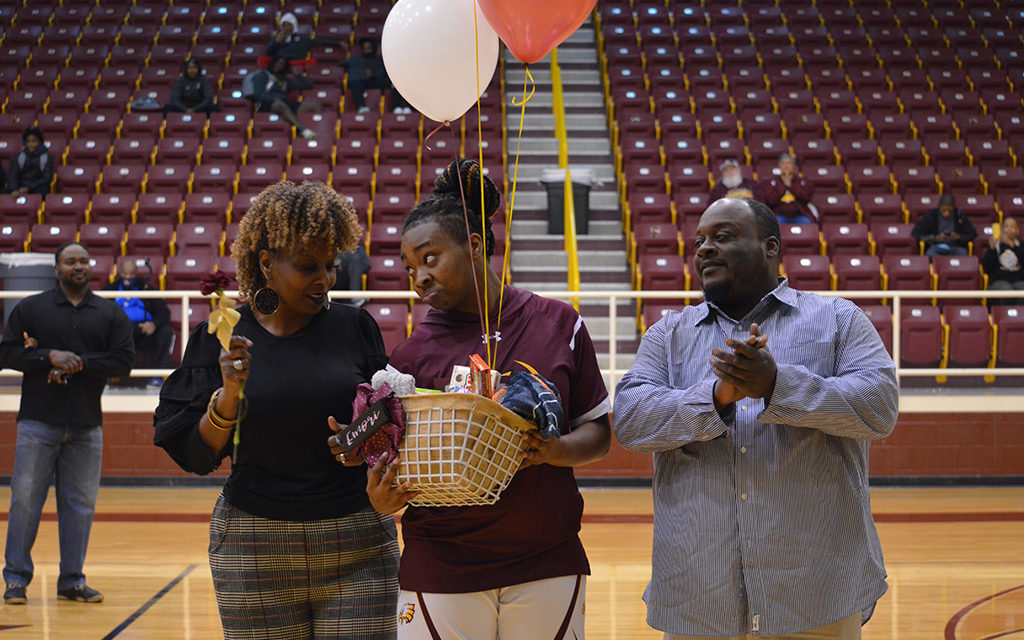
429, 52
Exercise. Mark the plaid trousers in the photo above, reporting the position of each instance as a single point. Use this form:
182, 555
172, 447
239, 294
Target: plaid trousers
277, 579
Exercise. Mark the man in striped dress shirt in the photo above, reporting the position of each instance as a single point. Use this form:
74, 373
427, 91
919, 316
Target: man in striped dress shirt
759, 406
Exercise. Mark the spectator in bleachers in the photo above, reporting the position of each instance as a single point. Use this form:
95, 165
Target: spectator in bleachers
292, 45
945, 230
192, 92
352, 266
1004, 262
366, 71
150, 319
269, 88
31, 169
789, 195
732, 184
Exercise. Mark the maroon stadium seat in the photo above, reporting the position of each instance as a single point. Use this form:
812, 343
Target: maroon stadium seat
800, 239
656, 239
846, 238
149, 238
21, 208
892, 238
102, 237
206, 207
122, 178
66, 207
392, 206
157, 207
662, 273
385, 239
907, 272
392, 318
1009, 322
857, 273
921, 336
111, 208
807, 272
881, 318
47, 237
387, 274
186, 271
970, 336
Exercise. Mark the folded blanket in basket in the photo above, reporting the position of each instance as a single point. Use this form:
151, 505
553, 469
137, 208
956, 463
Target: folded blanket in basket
531, 396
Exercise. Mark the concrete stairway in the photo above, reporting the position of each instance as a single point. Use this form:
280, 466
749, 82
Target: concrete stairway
539, 262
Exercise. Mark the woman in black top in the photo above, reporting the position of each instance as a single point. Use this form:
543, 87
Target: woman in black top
192, 92
296, 551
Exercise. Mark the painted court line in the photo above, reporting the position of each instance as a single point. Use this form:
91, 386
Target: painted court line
141, 610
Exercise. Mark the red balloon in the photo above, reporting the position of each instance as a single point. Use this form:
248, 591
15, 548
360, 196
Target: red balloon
532, 28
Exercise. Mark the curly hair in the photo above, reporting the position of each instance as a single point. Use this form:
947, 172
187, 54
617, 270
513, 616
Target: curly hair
444, 204
290, 216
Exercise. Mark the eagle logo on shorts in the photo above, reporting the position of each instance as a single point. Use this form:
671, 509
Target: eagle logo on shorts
407, 613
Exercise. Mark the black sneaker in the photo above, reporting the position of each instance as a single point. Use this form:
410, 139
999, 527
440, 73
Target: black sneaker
15, 594
80, 593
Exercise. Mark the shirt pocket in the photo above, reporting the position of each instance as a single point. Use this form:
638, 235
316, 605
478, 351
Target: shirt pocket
818, 357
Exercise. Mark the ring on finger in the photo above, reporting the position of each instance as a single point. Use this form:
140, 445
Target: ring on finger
341, 457
238, 364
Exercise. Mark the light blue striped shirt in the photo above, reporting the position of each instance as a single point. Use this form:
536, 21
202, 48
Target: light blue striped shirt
762, 521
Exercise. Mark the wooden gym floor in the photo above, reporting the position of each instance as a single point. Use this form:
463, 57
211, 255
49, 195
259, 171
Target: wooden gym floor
955, 558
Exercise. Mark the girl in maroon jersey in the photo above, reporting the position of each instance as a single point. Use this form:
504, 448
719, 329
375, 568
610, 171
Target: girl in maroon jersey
517, 568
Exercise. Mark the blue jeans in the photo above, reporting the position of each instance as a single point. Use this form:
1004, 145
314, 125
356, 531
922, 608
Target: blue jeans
72, 456
945, 249
797, 219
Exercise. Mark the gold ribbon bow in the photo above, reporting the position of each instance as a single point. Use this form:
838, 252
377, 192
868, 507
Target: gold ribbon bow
223, 320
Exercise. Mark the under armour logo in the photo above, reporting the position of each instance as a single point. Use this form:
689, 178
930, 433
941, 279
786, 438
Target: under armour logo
496, 336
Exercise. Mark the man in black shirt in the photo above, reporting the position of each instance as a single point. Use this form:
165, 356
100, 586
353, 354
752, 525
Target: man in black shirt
67, 341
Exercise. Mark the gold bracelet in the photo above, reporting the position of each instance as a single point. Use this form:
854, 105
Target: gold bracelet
218, 421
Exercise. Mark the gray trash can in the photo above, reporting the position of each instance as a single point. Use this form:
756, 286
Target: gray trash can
25, 272
554, 182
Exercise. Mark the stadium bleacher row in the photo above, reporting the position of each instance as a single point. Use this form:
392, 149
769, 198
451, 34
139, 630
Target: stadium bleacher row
885, 106
168, 192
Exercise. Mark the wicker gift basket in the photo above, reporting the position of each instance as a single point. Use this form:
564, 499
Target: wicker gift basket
459, 448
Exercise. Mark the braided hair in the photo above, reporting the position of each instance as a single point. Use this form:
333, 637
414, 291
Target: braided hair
444, 204
290, 216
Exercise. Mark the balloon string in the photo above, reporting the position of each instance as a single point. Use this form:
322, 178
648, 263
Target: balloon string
533, 88
481, 305
446, 123
527, 82
483, 212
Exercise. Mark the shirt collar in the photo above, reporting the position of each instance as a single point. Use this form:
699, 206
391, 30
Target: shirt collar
782, 292
88, 300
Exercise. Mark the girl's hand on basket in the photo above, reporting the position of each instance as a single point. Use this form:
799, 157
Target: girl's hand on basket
385, 498
541, 450
340, 452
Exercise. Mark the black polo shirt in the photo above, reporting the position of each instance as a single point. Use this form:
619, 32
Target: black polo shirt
97, 330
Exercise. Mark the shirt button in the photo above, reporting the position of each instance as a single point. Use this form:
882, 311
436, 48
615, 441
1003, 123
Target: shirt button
744, 408
743, 496
743, 449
